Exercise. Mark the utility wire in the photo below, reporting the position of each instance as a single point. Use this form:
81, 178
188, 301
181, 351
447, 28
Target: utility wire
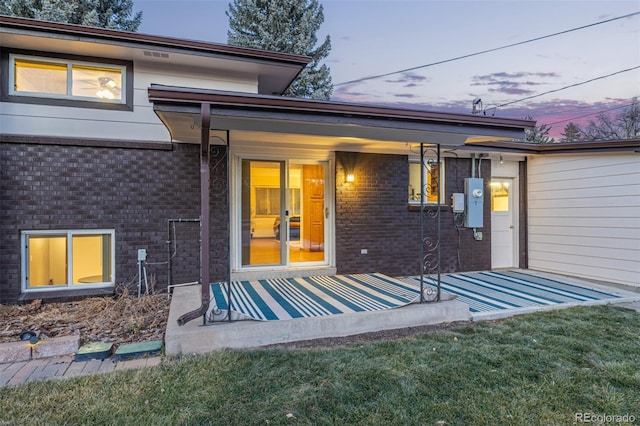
590, 114
567, 87
359, 80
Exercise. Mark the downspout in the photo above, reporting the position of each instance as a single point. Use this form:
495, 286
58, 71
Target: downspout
524, 196
205, 163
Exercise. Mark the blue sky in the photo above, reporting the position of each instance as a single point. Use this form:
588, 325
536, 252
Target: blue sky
372, 37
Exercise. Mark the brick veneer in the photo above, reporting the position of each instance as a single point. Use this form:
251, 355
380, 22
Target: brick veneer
134, 191
372, 213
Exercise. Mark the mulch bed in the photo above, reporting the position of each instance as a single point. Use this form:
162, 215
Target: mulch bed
119, 319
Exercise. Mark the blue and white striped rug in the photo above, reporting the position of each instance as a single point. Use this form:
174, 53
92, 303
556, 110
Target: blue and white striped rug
287, 298
503, 290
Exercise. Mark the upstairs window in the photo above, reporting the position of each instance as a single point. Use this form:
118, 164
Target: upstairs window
67, 81
433, 179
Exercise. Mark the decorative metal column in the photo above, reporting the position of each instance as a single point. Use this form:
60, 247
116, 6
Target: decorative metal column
430, 249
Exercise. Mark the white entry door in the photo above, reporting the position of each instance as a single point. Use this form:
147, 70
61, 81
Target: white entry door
504, 230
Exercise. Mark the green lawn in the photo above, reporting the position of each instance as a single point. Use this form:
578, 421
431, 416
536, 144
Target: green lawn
534, 369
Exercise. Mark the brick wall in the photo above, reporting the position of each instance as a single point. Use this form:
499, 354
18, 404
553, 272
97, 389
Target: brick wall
134, 191
372, 213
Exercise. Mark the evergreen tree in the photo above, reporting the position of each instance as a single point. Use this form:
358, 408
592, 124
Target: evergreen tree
571, 133
287, 26
539, 134
113, 14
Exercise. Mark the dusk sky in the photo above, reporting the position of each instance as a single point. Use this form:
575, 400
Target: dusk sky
373, 37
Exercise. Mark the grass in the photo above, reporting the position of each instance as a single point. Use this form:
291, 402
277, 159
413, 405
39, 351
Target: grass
534, 369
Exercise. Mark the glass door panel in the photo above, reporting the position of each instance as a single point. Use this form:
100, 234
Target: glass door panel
282, 213
262, 211
307, 226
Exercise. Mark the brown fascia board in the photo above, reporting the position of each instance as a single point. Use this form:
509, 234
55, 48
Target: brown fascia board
244, 101
564, 147
152, 40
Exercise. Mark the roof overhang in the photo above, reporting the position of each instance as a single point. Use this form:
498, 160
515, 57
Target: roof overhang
604, 146
344, 126
273, 71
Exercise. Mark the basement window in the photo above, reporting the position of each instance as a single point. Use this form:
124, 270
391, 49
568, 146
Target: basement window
433, 179
67, 259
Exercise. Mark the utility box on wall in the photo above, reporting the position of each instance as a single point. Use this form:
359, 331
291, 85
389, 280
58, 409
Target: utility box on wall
474, 196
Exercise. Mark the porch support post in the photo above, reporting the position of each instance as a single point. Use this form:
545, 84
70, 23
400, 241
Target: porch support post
205, 163
425, 258
439, 247
422, 189
229, 224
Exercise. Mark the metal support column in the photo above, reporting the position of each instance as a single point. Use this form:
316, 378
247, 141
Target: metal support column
228, 225
430, 250
205, 163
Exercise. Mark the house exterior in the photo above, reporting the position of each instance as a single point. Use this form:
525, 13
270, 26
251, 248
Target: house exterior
127, 157
581, 203
584, 212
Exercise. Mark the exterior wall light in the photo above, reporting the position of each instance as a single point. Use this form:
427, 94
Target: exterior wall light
348, 161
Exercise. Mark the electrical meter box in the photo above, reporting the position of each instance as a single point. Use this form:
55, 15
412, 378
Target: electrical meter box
474, 202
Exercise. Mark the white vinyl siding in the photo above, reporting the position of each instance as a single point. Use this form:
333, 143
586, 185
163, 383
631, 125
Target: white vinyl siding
141, 124
584, 216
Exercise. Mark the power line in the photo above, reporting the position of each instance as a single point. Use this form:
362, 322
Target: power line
373, 77
567, 87
590, 114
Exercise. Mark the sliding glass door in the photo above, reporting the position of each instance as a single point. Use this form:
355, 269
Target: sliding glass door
282, 213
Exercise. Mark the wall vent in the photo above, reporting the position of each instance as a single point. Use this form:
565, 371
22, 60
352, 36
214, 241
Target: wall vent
156, 54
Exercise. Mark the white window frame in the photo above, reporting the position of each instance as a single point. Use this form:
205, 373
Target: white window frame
425, 171
69, 233
69, 64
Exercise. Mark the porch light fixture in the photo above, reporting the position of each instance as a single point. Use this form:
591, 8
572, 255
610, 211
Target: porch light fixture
348, 161
501, 160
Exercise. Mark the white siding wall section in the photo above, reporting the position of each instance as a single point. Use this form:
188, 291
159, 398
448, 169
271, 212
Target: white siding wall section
584, 216
141, 124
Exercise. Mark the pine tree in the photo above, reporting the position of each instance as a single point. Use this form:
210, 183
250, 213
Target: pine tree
287, 26
539, 134
113, 14
571, 133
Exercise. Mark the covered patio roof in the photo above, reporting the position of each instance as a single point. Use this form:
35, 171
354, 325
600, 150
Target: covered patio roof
279, 120
193, 115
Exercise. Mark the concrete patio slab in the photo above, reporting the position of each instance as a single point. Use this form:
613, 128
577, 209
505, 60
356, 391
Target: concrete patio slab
196, 338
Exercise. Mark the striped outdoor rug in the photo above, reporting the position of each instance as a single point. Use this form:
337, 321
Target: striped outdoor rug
495, 291
287, 298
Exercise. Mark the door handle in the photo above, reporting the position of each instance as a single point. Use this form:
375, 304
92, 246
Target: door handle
326, 212
510, 226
